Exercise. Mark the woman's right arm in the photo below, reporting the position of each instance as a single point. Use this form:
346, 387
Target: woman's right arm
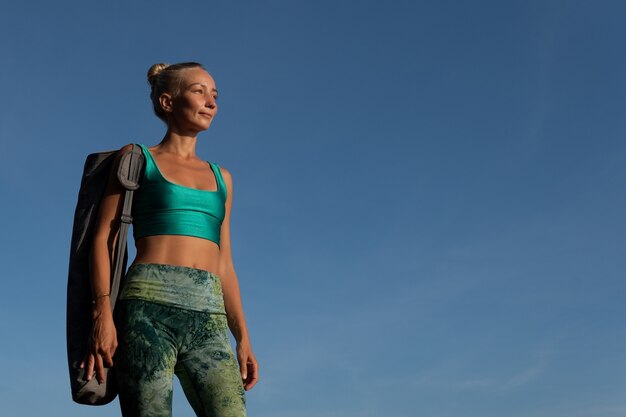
103, 339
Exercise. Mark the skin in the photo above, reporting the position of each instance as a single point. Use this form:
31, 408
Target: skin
188, 114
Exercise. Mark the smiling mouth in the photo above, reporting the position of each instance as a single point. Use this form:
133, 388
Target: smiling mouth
207, 115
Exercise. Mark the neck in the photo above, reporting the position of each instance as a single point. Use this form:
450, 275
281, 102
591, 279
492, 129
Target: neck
179, 143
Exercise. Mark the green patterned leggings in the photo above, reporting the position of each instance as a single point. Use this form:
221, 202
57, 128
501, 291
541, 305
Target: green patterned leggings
158, 339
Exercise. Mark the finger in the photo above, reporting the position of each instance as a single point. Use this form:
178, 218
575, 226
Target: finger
90, 364
241, 359
243, 367
83, 363
250, 383
107, 359
253, 375
99, 369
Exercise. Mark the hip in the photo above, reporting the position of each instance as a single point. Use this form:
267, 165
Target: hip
176, 286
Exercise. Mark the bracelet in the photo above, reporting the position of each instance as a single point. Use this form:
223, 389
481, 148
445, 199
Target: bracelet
100, 296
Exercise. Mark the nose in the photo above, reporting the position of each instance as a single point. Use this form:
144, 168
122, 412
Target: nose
210, 102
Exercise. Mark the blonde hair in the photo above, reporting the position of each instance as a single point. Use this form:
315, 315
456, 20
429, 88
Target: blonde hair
165, 78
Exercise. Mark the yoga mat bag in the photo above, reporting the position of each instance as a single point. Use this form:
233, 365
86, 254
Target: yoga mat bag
79, 305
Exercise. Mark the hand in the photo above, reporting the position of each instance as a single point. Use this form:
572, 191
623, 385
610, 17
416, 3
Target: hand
102, 346
248, 365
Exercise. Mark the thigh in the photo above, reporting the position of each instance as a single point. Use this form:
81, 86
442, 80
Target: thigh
145, 360
209, 372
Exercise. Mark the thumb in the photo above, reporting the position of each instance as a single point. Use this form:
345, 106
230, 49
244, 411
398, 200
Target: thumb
244, 370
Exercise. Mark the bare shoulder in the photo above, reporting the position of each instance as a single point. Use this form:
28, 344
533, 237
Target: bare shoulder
226, 174
228, 179
127, 148
123, 150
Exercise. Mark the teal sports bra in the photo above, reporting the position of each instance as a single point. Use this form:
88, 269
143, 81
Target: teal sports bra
161, 207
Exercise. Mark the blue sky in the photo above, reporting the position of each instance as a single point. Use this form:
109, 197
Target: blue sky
429, 196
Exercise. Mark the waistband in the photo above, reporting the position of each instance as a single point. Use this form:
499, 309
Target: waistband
176, 286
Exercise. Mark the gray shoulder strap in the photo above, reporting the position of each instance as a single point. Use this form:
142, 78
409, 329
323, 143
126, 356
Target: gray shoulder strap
129, 174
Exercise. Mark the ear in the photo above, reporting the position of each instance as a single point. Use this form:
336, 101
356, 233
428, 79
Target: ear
166, 102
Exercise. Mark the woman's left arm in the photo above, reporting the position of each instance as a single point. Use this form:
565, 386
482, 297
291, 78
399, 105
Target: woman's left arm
232, 296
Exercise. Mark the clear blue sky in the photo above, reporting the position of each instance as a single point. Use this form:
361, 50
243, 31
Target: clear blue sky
429, 195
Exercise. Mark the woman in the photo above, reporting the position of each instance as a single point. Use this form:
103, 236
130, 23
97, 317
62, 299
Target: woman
181, 292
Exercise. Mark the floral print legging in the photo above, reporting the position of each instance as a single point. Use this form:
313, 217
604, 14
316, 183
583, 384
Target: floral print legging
158, 338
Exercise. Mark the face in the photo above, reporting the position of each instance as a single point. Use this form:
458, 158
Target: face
195, 106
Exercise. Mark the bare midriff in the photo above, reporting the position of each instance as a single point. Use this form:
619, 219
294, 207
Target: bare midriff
178, 250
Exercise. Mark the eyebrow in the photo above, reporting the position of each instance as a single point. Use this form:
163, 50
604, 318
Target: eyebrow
203, 85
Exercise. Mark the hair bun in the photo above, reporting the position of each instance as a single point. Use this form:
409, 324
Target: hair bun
154, 72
